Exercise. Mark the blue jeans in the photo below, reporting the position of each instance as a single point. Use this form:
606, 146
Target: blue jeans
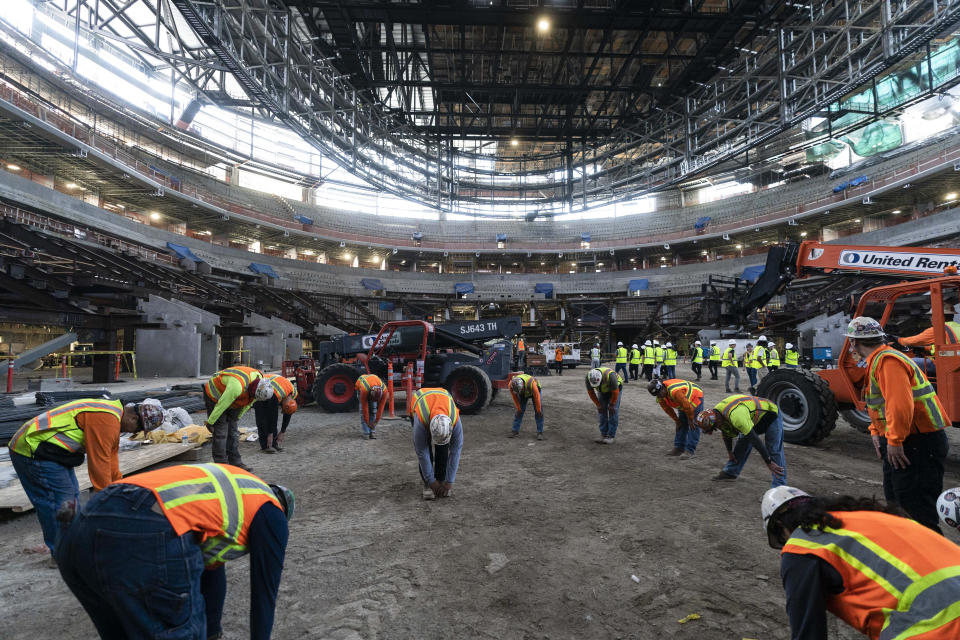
134, 576
595, 363
669, 371
609, 419
688, 435
621, 366
789, 366
48, 485
517, 419
752, 374
372, 409
773, 439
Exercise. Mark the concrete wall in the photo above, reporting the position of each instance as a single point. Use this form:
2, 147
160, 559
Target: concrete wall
168, 353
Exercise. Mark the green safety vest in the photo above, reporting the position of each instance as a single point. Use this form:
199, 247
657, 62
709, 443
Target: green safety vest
595, 353
698, 355
621, 355
924, 394
634, 356
791, 357
730, 357
670, 357
658, 354
774, 358
528, 382
757, 407
58, 426
649, 356
758, 358
609, 381
714, 353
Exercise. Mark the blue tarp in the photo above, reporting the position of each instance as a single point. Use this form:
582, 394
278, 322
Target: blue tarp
263, 269
501, 237
418, 235
463, 287
750, 274
544, 288
373, 284
183, 252
856, 182
585, 237
303, 219
638, 285
701, 222
387, 306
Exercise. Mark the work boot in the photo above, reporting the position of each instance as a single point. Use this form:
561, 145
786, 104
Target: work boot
600, 439
373, 436
727, 391
736, 389
687, 455
245, 467
277, 448
723, 475
540, 435
607, 441
674, 452
268, 450
513, 434
428, 494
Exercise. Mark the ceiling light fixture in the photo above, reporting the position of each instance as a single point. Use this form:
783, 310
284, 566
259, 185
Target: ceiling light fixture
514, 142
803, 234
154, 216
951, 196
543, 25
13, 167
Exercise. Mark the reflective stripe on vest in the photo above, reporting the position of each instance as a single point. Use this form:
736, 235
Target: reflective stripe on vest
279, 390
757, 357
791, 357
59, 426
621, 355
365, 382
698, 355
635, 356
730, 357
688, 388
609, 380
773, 358
228, 490
670, 357
924, 604
648, 355
422, 410
215, 386
528, 381
595, 353
952, 331
658, 354
714, 352
733, 404
924, 394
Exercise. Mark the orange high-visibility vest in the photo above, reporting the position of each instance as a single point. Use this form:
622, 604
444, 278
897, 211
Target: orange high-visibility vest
218, 501
367, 382
245, 375
900, 579
431, 401
690, 391
282, 387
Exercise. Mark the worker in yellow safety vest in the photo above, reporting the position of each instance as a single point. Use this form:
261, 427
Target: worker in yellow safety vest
731, 366
773, 357
649, 359
669, 361
228, 395
657, 358
925, 338
696, 359
621, 363
635, 362
791, 358
715, 358
758, 360
741, 420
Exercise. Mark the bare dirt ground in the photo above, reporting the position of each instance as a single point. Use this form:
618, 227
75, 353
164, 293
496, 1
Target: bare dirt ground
540, 539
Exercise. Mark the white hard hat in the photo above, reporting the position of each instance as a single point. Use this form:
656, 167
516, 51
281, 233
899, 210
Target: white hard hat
656, 342
948, 508
264, 391
647, 344
516, 385
619, 344
635, 345
669, 344
789, 345
732, 343
762, 338
696, 343
772, 500
594, 376
864, 327
441, 428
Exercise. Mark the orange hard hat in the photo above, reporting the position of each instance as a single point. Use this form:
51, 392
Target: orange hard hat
289, 406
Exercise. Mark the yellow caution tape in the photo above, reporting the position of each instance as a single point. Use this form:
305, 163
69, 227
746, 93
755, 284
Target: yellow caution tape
686, 619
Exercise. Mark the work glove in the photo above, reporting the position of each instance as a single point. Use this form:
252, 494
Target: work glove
444, 490
208, 427
517, 415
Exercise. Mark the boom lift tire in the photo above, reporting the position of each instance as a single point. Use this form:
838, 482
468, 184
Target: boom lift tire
334, 389
859, 420
807, 406
470, 387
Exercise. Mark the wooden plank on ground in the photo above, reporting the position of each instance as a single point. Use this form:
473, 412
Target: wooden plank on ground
13, 497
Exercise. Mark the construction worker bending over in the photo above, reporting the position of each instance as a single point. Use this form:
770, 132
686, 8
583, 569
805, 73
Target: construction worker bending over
884, 575
669, 361
228, 395
649, 360
284, 399
635, 359
522, 388
746, 418
621, 362
657, 359
687, 398
696, 359
145, 557
791, 358
715, 357
558, 356
603, 387
595, 356
371, 399
437, 439
45, 450
925, 339
731, 366
906, 423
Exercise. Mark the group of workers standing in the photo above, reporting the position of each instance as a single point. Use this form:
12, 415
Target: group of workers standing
655, 359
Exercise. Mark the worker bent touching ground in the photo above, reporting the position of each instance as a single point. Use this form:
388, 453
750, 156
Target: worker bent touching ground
744, 419
284, 399
603, 387
687, 399
906, 423
522, 388
145, 557
437, 439
371, 398
884, 575
45, 450
228, 395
